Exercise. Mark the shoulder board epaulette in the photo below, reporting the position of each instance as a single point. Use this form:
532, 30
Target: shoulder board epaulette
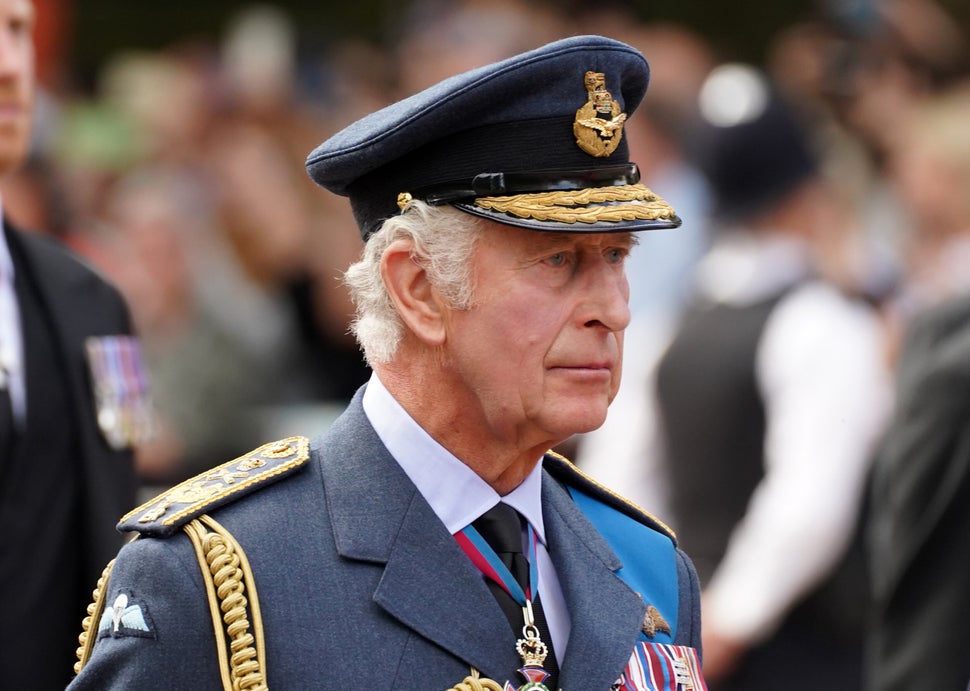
169, 511
566, 472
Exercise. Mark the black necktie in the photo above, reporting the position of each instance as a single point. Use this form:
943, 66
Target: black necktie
501, 527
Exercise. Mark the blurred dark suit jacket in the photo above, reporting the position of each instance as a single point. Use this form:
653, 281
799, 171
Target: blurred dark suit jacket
71, 302
919, 536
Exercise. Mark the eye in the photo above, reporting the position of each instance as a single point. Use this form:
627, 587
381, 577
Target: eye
557, 259
20, 21
20, 25
616, 255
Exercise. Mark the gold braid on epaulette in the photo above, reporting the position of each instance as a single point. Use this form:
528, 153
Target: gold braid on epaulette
87, 639
233, 603
474, 682
589, 205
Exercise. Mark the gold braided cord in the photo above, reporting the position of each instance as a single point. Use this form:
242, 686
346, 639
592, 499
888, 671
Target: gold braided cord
197, 532
473, 682
87, 638
589, 205
249, 664
227, 574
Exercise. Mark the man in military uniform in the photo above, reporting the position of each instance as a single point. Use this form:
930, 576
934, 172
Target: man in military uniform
71, 403
430, 540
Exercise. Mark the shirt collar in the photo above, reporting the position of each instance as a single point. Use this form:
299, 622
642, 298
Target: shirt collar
455, 492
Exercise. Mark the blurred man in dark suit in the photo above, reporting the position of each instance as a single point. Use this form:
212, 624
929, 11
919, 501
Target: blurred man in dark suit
71, 403
919, 563
921, 511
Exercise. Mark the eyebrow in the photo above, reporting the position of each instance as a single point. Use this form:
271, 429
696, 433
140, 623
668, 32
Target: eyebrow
543, 238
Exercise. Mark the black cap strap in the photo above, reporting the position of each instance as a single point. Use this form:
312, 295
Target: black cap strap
500, 184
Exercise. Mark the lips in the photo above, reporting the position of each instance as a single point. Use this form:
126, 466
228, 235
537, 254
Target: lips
11, 112
599, 366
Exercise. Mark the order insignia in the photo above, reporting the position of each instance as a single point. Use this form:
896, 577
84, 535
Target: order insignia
599, 123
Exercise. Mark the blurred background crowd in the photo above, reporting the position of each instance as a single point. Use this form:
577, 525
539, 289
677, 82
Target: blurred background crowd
175, 166
177, 169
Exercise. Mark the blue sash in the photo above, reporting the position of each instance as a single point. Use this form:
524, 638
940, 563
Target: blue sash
649, 562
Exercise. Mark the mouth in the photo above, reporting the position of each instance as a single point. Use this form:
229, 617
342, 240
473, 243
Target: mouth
12, 105
591, 369
11, 114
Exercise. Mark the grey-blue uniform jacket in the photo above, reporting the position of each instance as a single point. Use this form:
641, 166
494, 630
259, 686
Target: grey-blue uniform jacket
320, 566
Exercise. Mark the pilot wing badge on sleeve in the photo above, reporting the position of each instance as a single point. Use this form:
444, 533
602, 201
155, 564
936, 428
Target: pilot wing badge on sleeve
127, 617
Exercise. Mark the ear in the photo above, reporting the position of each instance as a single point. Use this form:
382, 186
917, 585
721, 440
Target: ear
421, 308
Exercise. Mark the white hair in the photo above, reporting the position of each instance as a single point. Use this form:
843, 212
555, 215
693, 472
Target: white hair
443, 241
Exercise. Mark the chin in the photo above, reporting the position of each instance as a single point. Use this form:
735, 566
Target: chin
581, 418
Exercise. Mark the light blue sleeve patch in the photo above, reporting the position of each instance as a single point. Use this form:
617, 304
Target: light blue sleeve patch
127, 617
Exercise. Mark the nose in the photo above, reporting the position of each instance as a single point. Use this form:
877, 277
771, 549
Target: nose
606, 297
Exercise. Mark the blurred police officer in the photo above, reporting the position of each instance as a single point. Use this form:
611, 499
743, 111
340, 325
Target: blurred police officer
429, 540
66, 410
772, 393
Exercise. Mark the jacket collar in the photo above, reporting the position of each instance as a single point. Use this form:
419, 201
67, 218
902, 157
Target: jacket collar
379, 516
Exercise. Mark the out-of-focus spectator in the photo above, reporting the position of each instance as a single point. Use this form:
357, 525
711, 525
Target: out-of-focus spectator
921, 513
812, 63
439, 38
930, 167
921, 478
771, 396
72, 404
207, 381
283, 234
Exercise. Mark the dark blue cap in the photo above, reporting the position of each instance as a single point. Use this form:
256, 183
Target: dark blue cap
534, 141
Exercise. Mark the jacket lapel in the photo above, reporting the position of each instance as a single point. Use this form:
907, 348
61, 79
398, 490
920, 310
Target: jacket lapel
428, 585
431, 587
605, 614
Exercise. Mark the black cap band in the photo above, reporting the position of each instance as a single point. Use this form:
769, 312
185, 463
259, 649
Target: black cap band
523, 182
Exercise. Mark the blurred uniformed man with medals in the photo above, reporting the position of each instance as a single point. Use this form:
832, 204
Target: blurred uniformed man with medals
430, 539
72, 403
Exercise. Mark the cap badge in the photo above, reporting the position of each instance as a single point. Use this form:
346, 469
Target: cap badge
599, 123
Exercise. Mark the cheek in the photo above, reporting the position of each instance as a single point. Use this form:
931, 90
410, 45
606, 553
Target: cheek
617, 374
524, 324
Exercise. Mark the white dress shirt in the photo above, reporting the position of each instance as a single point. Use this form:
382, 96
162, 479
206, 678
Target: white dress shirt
11, 340
458, 495
826, 389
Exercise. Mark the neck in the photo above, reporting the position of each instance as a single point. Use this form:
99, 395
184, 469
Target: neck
459, 426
